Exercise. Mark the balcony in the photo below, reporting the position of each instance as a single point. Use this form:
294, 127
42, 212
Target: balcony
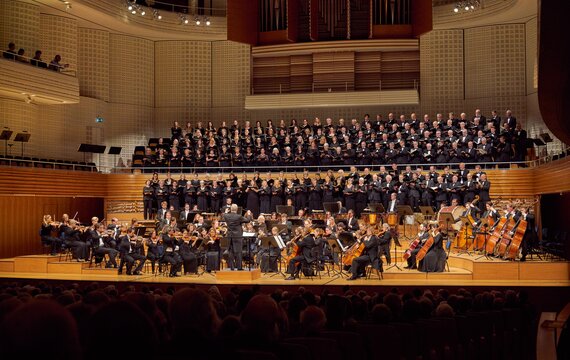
22, 81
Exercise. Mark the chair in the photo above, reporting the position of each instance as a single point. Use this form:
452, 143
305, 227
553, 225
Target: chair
375, 266
139, 150
253, 354
319, 348
311, 269
350, 343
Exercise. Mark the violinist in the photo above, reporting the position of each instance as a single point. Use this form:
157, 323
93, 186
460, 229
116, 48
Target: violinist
189, 259
171, 255
154, 249
369, 254
48, 225
212, 244
100, 246
434, 261
423, 235
304, 254
71, 234
131, 250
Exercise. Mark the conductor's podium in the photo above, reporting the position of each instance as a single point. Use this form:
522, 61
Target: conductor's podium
245, 275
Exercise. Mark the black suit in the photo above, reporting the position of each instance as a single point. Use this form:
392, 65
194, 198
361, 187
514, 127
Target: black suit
352, 224
130, 252
305, 253
384, 246
368, 256
235, 233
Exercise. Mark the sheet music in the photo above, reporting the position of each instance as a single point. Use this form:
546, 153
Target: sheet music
280, 242
248, 234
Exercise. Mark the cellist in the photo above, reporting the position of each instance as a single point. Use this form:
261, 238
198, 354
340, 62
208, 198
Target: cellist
304, 253
368, 256
423, 235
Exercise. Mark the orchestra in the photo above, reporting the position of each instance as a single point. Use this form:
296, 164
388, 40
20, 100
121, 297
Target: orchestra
186, 238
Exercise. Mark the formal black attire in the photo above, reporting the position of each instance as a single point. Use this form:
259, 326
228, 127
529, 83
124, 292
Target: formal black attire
53, 242
131, 252
434, 260
412, 264
189, 260
368, 256
305, 255
148, 198
235, 233
171, 254
252, 200
384, 243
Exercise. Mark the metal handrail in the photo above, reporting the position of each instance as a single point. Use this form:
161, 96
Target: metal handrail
292, 168
61, 69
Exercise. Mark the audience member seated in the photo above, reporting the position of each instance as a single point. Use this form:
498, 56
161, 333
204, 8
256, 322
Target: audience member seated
55, 65
10, 54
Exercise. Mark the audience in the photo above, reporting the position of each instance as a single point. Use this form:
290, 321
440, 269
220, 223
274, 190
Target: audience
37, 61
67, 320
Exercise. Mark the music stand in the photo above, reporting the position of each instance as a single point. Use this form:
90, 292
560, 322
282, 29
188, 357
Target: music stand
89, 148
282, 228
5, 135
285, 209
447, 218
404, 210
336, 244
140, 230
114, 150
273, 244
427, 212
331, 207
247, 237
22, 137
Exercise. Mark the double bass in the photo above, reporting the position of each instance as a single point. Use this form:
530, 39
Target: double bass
501, 249
516, 240
496, 235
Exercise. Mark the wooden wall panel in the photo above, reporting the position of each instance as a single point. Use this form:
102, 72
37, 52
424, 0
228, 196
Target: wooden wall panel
422, 17
553, 177
21, 217
333, 70
51, 182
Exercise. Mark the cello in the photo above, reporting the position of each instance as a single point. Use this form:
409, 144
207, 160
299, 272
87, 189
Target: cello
425, 248
496, 234
516, 240
354, 251
414, 244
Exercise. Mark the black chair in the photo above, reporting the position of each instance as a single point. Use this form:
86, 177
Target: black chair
350, 343
319, 348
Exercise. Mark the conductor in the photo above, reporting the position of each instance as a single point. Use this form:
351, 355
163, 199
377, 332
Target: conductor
233, 221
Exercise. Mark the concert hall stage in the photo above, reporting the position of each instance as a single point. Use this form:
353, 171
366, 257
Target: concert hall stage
464, 270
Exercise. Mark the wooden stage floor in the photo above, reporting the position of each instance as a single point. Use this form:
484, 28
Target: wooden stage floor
464, 270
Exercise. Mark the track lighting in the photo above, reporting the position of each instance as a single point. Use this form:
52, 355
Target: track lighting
467, 5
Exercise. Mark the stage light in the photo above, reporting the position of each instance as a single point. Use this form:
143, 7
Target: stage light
207, 21
134, 12
466, 8
456, 9
143, 13
130, 8
156, 14
197, 20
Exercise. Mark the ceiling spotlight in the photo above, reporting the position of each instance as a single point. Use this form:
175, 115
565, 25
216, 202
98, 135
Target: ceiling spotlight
134, 12
456, 9
186, 21
207, 21
143, 13
130, 7
156, 14
197, 20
